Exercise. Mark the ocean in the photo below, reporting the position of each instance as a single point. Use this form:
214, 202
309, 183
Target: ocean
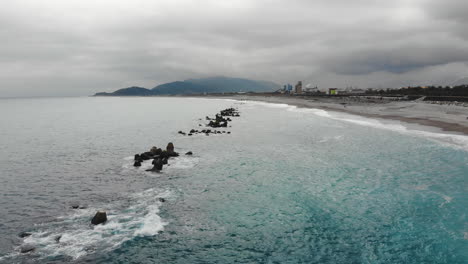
288, 185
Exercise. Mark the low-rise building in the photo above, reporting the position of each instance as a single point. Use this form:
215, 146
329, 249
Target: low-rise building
332, 91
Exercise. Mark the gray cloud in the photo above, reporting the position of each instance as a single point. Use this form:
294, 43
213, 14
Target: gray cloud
73, 47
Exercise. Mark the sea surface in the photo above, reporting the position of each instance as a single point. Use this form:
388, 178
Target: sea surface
288, 185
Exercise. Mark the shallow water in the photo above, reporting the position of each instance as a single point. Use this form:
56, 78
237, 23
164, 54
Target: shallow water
288, 185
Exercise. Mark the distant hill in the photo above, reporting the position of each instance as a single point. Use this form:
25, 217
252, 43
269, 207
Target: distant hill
174, 88
199, 86
130, 91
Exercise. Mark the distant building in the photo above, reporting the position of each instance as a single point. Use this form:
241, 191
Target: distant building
298, 88
332, 91
311, 90
354, 91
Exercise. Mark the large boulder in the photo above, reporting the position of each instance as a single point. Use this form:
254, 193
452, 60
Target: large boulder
137, 163
170, 147
99, 218
158, 165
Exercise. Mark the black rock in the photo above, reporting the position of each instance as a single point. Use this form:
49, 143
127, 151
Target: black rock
229, 132
137, 163
190, 134
146, 156
155, 151
162, 200
57, 238
158, 165
164, 161
27, 248
99, 218
189, 153
170, 147
24, 234
137, 156
75, 206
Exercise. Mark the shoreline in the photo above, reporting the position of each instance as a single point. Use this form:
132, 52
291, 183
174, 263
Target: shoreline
446, 117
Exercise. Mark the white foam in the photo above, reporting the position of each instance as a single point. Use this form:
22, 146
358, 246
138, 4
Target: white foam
79, 238
181, 162
453, 140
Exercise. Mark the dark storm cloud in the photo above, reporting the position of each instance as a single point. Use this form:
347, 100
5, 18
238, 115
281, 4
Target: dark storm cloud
75, 47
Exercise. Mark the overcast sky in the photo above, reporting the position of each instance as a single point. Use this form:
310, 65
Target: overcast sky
79, 47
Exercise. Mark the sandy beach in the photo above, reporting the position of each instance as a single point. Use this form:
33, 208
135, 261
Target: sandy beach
447, 117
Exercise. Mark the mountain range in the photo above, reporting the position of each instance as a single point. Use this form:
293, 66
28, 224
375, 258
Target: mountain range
198, 86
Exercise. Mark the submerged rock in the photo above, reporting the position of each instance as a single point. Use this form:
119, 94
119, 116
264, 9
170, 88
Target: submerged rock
27, 248
137, 163
77, 206
24, 234
162, 200
189, 153
99, 218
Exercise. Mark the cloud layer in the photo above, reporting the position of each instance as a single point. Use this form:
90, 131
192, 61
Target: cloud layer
72, 47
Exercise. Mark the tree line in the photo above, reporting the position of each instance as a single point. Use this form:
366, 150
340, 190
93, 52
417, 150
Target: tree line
460, 90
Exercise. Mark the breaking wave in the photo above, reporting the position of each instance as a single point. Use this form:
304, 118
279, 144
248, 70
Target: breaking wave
73, 236
453, 140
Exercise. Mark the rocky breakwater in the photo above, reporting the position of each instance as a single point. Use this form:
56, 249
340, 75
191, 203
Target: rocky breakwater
220, 120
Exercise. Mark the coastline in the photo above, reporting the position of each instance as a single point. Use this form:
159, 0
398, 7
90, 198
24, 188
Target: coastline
446, 117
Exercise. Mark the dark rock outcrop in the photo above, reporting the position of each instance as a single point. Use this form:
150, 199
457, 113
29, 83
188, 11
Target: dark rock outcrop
170, 147
24, 234
189, 153
99, 218
158, 165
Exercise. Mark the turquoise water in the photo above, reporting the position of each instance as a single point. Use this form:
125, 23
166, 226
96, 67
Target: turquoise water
287, 186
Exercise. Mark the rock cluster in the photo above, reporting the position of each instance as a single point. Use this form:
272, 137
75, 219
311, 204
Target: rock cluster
221, 120
159, 157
